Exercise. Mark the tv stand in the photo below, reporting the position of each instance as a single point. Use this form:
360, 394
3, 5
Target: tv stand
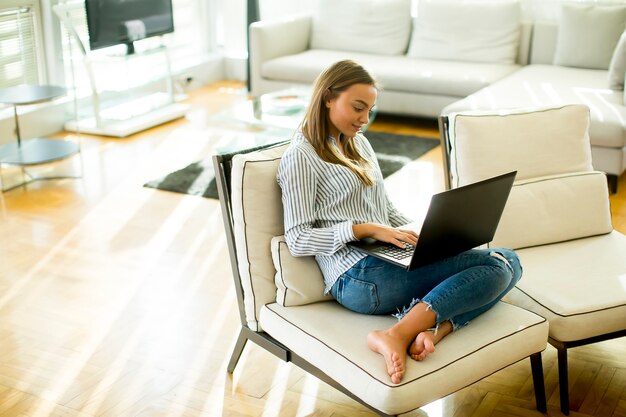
129, 114
128, 118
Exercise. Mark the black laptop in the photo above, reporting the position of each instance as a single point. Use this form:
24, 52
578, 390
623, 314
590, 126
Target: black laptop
457, 220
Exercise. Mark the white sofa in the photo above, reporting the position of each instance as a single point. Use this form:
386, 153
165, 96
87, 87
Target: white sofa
425, 77
543, 84
382, 36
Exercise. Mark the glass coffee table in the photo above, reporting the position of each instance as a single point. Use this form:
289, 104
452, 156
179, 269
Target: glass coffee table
269, 118
282, 109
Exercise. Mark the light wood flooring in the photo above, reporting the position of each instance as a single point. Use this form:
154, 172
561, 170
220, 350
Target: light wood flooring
116, 300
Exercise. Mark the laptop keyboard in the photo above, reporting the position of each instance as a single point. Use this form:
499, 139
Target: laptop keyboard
396, 252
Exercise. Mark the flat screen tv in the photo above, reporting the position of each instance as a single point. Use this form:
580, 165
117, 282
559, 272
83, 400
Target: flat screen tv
114, 22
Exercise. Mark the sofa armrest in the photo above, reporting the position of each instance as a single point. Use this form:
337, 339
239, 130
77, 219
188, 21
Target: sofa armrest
274, 38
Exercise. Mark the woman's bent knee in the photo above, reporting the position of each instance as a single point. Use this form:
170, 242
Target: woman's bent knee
511, 260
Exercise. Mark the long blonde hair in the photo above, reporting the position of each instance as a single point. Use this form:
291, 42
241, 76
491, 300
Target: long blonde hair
316, 124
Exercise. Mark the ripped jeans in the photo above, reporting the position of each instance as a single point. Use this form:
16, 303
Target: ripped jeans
457, 289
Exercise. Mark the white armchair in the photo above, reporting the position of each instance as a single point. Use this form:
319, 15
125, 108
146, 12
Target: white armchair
557, 218
283, 308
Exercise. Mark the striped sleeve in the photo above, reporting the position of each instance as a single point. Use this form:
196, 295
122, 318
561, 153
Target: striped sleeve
298, 182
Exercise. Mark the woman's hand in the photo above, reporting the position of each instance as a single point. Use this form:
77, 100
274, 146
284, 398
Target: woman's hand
397, 237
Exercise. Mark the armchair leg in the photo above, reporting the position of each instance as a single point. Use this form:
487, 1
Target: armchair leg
540, 390
237, 351
612, 181
563, 380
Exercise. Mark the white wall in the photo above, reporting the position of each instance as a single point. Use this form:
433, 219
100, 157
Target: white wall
233, 27
271, 9
234, 20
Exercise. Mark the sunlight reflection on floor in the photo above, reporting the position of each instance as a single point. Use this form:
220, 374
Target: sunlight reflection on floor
434, 409
411, 188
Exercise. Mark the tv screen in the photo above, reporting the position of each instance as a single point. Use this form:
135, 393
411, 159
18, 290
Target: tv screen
113, 22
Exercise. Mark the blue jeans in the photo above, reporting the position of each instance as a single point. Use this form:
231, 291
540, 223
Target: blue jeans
457, 289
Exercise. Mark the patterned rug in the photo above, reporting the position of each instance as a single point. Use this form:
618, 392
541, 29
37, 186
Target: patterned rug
393, 152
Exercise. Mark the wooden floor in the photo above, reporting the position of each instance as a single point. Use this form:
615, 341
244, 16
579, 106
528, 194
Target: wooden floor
116, 300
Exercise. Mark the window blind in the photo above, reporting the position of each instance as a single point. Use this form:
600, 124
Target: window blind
18, 49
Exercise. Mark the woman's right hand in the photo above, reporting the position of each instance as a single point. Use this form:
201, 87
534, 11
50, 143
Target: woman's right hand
397, 237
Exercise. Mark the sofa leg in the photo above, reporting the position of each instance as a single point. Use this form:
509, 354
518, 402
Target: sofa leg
563, 380
612, 181
237, 351
540, 391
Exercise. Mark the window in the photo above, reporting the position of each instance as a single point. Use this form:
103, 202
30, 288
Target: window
20, 56
192, 30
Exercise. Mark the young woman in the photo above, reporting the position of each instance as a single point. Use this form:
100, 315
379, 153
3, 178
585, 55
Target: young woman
333, 193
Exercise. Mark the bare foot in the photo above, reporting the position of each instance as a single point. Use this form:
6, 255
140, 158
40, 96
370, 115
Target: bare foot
423, 345
393, 350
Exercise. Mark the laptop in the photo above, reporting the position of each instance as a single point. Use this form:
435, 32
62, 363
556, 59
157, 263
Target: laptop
457, 220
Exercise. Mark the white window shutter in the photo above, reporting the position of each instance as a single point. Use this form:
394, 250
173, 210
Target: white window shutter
18, 46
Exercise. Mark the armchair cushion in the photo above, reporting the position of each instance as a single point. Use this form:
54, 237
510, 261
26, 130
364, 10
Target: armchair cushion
257, 218
456, 30
555, 209
370, 26
536, 142
331, 338
577, 285
557, 195
299, 280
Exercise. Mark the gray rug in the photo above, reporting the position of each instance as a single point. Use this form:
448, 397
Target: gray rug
393, 152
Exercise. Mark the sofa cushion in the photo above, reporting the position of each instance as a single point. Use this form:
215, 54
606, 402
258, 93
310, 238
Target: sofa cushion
554, 209
257, 218
372, 26
395, 73
526, 140
582, 281
617, 68
456, 30
588, 34
298, 280
499, 337
550, 85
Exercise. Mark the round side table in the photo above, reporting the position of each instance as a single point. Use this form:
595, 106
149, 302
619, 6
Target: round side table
33, 151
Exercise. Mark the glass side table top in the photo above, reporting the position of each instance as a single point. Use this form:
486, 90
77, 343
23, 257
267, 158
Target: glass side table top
30, 94
36, 150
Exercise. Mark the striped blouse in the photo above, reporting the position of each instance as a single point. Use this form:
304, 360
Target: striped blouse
322, 201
